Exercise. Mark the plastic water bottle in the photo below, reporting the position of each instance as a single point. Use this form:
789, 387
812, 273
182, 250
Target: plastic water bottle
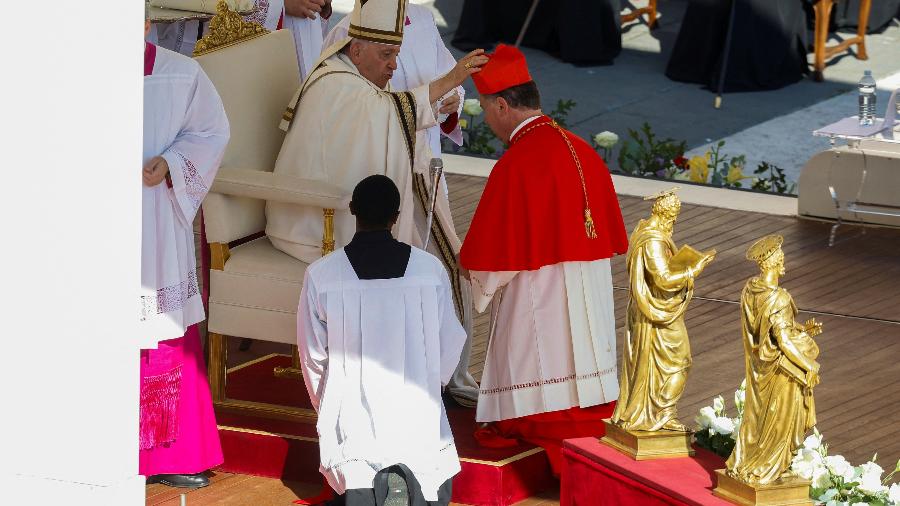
867, 99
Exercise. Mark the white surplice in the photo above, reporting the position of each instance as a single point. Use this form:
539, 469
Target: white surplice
553, 339
374, 355
185, 123
423, 58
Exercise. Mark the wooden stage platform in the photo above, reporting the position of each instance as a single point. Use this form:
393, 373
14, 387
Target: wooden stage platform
853, 288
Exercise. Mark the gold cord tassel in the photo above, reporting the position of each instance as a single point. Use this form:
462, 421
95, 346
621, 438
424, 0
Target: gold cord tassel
589, 224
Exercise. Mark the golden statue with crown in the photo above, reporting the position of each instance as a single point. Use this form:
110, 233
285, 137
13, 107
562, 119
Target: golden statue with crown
657, 353
781, 371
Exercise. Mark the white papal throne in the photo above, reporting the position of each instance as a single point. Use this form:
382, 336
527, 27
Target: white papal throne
254, 288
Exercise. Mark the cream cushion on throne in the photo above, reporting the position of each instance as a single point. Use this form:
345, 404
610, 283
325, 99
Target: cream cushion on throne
256, 292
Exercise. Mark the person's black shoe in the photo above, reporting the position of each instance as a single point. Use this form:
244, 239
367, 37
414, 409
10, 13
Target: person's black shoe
198, 480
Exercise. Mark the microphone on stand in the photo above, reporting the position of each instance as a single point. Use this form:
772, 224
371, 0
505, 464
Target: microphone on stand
435, 170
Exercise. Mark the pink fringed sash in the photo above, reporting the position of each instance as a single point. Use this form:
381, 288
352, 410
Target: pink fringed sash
159, 408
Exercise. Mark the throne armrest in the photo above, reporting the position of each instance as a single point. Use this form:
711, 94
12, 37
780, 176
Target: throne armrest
279, 188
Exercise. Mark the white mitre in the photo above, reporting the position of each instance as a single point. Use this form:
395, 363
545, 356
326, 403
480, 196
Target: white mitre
379, 21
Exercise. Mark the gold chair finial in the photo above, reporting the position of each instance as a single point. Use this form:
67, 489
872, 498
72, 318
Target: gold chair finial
227, 28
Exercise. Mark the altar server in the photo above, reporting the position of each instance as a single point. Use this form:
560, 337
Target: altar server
185, 133
378, 337
539, 247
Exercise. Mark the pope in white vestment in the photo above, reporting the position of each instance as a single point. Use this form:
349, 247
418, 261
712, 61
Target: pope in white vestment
423, 58
378, 337
344, 125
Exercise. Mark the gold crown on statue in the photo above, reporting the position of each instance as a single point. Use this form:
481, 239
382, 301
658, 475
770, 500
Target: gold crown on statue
667, 203
227, 28
763, 249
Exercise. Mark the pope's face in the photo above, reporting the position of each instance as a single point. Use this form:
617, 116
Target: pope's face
376, 62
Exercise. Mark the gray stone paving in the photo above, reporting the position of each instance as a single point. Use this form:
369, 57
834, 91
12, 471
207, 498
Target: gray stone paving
635, 90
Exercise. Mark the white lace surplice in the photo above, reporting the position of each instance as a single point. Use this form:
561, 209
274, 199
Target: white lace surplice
374, 355
185, 123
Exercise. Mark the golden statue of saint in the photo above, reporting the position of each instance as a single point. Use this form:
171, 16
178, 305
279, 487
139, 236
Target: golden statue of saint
781, 369
657, 353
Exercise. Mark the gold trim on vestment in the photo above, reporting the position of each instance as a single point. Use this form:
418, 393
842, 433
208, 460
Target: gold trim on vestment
372, 35
406, 111
589, 227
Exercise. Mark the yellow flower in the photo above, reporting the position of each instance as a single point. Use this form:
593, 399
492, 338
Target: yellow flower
463, 124
699, 169
735, 174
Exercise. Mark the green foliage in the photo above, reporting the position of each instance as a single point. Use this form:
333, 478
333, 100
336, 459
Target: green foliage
478, 138
644, 154
771, 178
561, 112
721, 445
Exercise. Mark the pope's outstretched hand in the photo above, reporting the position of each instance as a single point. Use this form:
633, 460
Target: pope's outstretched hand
466, 66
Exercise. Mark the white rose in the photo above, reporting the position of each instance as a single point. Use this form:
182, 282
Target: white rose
870, 484
737, 427
472, 107
719, 404
813, 442
839, 466
723, 425
821, 478
894, 493
805, 463
706, 417
606, 139
871, 468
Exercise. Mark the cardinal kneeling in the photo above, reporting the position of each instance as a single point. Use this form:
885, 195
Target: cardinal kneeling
539, 248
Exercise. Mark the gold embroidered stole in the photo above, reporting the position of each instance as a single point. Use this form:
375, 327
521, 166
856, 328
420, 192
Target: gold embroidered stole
405, 103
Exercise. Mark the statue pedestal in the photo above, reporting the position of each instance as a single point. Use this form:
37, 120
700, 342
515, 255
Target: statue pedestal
793, 492
646, 445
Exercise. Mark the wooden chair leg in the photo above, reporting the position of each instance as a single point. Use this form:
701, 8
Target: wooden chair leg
651, 18
864, 8
823, 15
216, 366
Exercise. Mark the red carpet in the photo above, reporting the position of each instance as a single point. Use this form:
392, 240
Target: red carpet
594, 473
289, 450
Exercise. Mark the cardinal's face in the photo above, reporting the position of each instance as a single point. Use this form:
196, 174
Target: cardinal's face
496, 116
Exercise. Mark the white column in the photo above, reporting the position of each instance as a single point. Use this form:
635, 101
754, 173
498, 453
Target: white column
70, 130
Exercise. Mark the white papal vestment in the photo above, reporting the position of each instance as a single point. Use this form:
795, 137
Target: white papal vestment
190, 131
374, 355
423, 58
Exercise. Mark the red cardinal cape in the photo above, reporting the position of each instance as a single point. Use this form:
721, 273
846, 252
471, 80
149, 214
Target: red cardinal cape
532, 211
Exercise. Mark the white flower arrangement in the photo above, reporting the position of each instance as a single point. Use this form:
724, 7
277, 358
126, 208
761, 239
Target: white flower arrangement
835, 482
718, 432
